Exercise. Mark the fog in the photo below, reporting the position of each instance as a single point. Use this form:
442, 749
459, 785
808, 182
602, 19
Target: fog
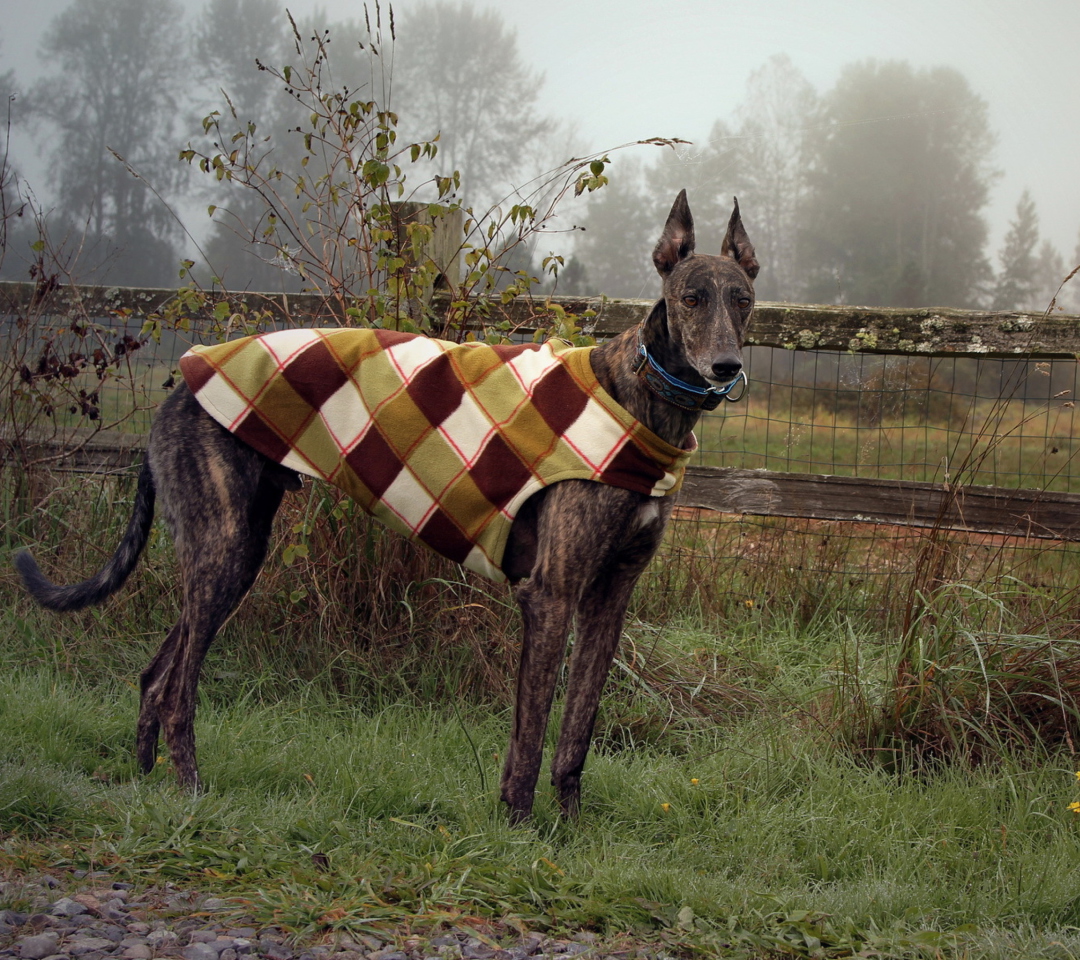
623, 71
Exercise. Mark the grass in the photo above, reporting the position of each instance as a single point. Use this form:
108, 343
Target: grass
1010, 444
757, 833
351, 725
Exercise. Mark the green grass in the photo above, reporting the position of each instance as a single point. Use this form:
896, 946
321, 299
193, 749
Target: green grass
1006, 443
733, 796
757, 833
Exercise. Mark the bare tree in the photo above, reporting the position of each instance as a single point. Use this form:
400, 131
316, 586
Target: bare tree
770, 175
11, 203
761, 159
232, 41
230, 38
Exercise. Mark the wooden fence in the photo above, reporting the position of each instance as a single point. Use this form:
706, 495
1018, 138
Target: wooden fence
862, 330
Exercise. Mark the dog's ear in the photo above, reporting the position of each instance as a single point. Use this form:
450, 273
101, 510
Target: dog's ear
677, 241
737, 245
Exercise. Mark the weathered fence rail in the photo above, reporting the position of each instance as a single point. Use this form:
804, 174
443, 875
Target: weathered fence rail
998, 510
929, 331
924, 332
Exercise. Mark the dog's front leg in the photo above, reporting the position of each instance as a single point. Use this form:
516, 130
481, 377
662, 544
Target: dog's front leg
583, 532
546, 614
601, 613
599, 625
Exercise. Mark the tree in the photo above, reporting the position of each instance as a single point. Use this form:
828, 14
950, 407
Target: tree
1050, 270
1069, 297
898, 178
1017, 284
8, 92
707, 172
619, 233
764, 163
458, 74
761, 160
119, 65
11, 202
230, 39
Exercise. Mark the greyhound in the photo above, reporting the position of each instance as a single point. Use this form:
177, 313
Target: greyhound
575, 550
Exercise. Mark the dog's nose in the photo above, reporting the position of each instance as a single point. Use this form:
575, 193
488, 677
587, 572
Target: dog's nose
726, 368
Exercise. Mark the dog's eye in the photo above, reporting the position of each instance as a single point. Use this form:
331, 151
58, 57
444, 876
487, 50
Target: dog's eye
690, 301
744, 302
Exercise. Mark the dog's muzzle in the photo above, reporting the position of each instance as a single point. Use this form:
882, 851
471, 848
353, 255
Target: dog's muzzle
679, 393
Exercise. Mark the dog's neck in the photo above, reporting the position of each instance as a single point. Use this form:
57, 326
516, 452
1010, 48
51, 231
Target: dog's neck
613, 363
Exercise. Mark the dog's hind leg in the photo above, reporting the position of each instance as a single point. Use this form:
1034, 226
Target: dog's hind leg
217, 575
149, 725
219, 498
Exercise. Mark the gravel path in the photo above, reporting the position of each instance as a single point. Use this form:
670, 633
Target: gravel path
105, 919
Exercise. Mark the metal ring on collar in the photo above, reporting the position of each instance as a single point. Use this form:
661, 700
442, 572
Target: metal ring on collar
705, 394
725, 391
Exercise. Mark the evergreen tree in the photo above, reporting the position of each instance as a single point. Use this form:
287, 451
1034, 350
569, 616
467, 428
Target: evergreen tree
1069, 298
1050, 271
1018, 281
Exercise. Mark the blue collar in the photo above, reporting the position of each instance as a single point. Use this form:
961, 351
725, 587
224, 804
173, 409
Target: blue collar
678, 393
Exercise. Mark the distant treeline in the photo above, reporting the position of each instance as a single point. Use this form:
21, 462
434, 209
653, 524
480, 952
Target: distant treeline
873, 192
131, 82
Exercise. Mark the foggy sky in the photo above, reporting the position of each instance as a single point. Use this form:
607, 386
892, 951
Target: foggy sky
627, 70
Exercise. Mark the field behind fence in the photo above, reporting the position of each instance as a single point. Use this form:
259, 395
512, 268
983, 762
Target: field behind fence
877, 454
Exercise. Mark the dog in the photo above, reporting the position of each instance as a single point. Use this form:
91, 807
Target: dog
573, 553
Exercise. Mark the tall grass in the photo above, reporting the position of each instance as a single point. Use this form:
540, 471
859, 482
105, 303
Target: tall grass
324, 813
778, 763
342, 599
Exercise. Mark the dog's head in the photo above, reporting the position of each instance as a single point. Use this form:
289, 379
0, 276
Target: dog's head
707, 299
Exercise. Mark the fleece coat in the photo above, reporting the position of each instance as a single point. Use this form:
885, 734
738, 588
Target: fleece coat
441, 441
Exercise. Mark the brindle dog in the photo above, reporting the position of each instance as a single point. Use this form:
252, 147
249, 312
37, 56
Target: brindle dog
576, 548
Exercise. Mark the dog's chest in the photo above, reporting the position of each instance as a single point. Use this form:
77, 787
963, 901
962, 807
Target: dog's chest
647, 514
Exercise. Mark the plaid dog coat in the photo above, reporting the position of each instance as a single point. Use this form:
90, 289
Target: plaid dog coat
441, 441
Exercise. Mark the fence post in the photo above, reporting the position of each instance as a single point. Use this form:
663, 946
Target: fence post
444, 248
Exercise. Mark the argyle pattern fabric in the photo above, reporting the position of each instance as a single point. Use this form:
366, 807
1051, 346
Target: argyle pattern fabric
441, 441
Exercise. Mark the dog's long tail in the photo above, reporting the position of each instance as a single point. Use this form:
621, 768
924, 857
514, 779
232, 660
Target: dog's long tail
109, 578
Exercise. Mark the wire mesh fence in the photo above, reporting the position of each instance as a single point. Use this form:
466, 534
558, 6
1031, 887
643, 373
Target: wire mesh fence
943, 420
947, 420
902, 417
